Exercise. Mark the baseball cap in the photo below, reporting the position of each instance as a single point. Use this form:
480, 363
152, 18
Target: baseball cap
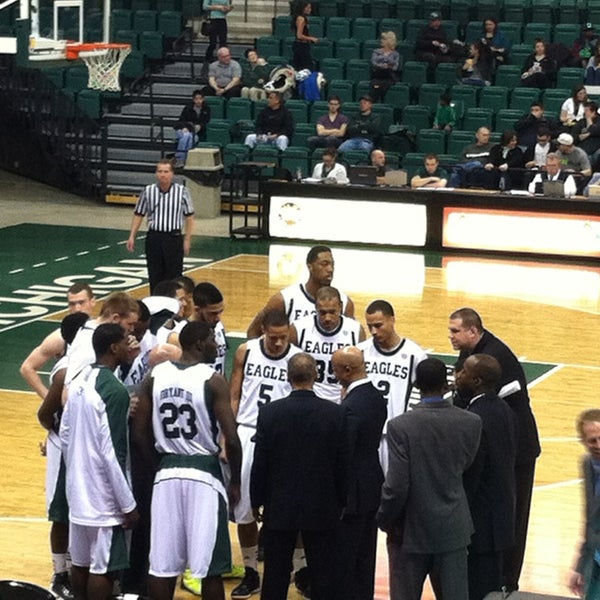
366, 97
434, 15
565, 138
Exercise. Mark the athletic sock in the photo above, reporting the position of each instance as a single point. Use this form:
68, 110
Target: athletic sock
60, 562
250, 557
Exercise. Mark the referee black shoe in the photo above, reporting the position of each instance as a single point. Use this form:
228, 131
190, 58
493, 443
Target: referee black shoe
249, 585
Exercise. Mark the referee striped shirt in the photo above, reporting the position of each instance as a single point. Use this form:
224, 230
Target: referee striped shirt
165, 210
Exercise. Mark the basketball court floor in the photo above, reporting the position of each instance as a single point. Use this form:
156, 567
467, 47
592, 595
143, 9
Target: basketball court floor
548, 313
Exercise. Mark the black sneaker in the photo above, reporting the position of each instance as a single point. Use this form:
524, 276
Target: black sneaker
249, 585
61, 586
302, 581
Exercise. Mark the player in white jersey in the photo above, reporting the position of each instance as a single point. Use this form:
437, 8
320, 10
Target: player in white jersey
259, 376
321, 335
184, 408
208, 308
49, 415
391, 363
298, 300
93, 434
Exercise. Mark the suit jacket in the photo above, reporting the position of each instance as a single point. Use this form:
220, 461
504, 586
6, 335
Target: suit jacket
366, 412
300, 461
528, 446
490, 480
424, 506
585, 564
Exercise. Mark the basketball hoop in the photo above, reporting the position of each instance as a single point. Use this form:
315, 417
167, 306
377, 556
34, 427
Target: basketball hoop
103, 61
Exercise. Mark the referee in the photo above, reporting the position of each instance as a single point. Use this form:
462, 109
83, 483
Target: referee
168, 207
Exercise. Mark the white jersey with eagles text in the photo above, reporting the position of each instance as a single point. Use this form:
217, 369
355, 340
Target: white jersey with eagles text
264, 379
141, 365
393, 372
321, 345
181, 419
298, 303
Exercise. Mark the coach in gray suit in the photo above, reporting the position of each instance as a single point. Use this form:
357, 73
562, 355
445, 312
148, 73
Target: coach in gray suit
424, 508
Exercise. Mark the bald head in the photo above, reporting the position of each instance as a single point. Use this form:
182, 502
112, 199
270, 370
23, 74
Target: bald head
348, 365
480, 373
302, 371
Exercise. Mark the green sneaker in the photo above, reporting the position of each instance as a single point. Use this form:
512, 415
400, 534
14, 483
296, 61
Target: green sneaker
191, 584
237, 572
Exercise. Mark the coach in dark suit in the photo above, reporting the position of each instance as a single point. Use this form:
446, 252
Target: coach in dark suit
366, 412
469, 337
299, 479
424, 507
490, 481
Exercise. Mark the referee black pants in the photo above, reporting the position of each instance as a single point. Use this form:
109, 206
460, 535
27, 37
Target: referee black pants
164, 256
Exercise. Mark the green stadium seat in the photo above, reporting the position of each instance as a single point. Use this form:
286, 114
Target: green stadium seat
302, 132
521, 98
136, 5
467, 94
451, 29
76, 79
318, 109
120, 20
170, 23
398, 96
134, 66
239, 109
362, 88
543, 11
355, 9
316, 157
386, 114
431, 141
407, 9
217, 106
488, 9
358, 69
90, 102
265, 153
569, 12
294, 158
347, 48
382, 9
447, 73
327, 8
461, 11
406, 50
517, 11
127, 36
338, 28
569, 77
56, 75
268, 45
282, 27
566, 33
332, 68
429, 95
416, 117
322, 49
277, 60
152, 44
367, 48
478, 117
457, 140
533, 31
513, 31
364, 29
342, 88
218, 131
473, 31
519, 53
553, 98
395, 25
412, 162
299, 110
508, 76
355, 157
494, 97
413, 27
414, 73
167, 6
316, 26
144, 20
506, 118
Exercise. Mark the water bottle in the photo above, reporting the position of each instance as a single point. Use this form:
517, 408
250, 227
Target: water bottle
502, 184
298, 174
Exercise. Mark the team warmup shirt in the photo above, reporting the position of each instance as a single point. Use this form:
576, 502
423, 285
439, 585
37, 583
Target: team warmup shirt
94, 438
321, 345
265, 380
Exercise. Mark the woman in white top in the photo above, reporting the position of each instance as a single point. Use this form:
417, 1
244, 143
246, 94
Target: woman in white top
329, 169
572, 108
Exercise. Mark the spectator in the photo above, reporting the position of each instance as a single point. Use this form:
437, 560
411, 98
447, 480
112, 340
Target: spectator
191, 125
535, 155
592, 71
431, 175
540, 70
364, 130
432, 43
478, 68
572, 159
595, 180
385, 64
585, 46
473, 157
274, 125
330, 169
217, 12
587, 132
255, 73
553, 172
571, 110
378, 160
331, 128
224, 76
445, 114
528, 126
496, 41
302, 58
504, 158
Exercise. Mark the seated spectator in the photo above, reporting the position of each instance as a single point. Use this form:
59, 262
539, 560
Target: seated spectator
473, 157
535, 155
500, 167
540, 70
364, 129
432, 44
431, 175
572, 159
571, 110
528, 126
255, 73
378, 160
595, 180
385, 64
496, 41
331, 128
586, 132
224, 76
445, 114
478, 68
592, 71
191, 125
329, 169
553, 172
274, 125
585, 46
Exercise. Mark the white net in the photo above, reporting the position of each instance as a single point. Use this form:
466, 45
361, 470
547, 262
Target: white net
104, 66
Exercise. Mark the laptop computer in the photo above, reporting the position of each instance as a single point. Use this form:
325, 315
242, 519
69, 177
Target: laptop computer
362, 175
553, 189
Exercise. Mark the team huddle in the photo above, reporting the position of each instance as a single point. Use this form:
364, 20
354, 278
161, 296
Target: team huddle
151, 450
